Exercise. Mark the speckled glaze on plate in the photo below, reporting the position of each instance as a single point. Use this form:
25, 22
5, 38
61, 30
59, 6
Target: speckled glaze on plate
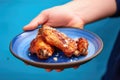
20, 44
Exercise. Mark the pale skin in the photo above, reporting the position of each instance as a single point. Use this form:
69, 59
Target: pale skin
76, 13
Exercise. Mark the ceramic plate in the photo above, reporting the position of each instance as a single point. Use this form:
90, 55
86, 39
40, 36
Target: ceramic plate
19, 47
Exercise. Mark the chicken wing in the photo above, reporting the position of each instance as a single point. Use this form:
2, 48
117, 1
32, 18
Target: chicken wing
39, 47
48, 38
82, 45
59, 40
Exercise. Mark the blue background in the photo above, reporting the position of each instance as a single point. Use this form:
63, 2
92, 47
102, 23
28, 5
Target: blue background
14, 14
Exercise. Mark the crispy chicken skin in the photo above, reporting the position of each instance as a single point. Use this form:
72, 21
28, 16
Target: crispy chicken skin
48, 38
82, 45
39, 47
59, 40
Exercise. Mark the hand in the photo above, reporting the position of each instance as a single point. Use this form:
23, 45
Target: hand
56, 17
76, 13
59, 70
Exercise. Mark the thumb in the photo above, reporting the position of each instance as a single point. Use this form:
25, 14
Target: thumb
77, 23
40, 19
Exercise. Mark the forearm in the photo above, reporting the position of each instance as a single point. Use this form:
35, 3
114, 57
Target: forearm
92, 10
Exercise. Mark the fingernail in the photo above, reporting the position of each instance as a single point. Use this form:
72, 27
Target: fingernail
48, 70
59, 70
25, 27
75, 67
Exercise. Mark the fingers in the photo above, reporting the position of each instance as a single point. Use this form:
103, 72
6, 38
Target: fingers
75, 67
57, 70
48, 70
40, 19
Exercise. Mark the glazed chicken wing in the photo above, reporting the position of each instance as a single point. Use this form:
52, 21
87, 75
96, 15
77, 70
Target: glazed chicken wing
82, 45
59, 40
39, 47
49, 37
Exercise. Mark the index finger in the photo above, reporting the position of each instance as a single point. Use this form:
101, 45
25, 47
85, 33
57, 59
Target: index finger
40, 19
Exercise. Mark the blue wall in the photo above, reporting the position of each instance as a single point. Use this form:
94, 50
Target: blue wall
14, 14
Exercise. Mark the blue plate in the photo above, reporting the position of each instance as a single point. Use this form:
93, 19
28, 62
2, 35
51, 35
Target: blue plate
20, 44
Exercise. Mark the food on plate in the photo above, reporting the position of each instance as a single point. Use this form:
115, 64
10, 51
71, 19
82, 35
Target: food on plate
82, 47
59, 40
49, 38
39, 47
